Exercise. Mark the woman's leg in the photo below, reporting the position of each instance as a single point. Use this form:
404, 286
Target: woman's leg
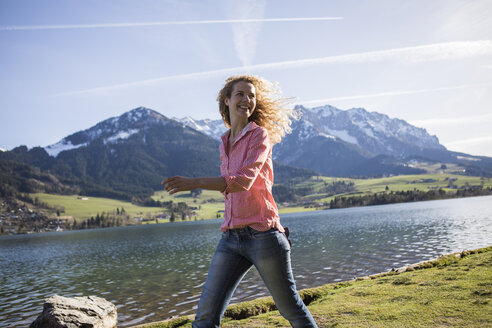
227, 268
271, 257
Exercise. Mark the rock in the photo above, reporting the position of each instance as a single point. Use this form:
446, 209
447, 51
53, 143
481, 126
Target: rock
86, 312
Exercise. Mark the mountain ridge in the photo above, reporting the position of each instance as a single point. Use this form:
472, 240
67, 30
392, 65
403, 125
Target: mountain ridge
361, 142
127, 156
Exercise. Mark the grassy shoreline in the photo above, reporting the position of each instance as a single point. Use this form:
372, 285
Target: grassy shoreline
453, 290
208, 203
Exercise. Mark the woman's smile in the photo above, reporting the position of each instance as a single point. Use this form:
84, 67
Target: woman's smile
242, 101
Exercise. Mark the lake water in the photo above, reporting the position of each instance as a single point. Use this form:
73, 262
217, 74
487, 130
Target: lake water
154, 272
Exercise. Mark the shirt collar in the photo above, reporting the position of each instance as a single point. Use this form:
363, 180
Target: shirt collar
248, 127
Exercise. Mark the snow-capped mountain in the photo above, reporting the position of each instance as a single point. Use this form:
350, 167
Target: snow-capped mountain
128, 156
110, 130
212, 128
374, 132
346, 142
354, 142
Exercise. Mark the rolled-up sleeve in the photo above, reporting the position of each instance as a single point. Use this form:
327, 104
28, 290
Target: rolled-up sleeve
243, 178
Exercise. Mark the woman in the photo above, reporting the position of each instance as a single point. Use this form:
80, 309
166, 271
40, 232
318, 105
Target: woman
252, 234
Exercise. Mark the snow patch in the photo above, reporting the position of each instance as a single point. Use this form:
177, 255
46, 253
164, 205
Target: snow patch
94, 134
344, 135
365, 128
307, 131
327, 136
469, 158
121, 135
54, 150
212, 128
323, 111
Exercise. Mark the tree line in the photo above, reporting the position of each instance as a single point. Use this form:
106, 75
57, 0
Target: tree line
103, 220
405, 196
285, 193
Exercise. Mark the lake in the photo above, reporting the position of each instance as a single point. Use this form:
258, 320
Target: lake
154, 272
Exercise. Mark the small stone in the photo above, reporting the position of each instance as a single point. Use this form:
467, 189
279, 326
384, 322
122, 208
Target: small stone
85, 311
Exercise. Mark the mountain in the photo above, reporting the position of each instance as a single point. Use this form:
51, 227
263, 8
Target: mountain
24, 178
356, 142
212, 128
374, 132
128, 156
125, 156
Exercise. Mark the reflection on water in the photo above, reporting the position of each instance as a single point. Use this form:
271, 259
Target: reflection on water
154, 272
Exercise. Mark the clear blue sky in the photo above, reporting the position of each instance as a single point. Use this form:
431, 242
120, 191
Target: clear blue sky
66, 65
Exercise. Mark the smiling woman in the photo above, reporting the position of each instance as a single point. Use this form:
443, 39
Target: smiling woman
252, 234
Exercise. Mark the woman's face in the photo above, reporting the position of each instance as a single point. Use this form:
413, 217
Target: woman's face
242, 101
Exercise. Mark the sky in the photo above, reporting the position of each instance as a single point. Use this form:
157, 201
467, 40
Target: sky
67, 65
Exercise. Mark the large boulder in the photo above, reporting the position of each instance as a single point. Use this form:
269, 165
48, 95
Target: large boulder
85, 311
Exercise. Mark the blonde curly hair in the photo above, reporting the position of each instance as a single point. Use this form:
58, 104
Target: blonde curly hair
271, 111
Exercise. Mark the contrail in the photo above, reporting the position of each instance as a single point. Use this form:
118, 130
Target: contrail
205, 74
432, 52
245, 35
394, 93
144, 24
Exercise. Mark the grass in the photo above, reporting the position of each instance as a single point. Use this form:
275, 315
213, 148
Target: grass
394, 183
209, 203
85, 207
452, 291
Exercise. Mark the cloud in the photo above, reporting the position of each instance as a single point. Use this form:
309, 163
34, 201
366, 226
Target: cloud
425, 53
392, 93
454, 120
245, 34
471, 141
432, 52
147, 82
147, 24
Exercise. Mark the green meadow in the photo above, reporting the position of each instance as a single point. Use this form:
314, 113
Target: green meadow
423, 182
86, 206
209, 203
454, 290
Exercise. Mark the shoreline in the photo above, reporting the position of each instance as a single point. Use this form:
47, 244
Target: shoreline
284, 210
249, 309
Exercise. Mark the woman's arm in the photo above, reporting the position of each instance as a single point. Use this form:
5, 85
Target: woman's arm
177, 184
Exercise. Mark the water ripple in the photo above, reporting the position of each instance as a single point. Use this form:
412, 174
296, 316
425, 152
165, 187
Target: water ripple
154, 272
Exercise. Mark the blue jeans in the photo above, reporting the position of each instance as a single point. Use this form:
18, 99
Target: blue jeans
237, 251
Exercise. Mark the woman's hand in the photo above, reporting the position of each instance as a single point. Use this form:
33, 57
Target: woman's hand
176, 184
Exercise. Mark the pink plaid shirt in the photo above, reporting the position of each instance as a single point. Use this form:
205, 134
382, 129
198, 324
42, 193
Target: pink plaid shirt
248, 171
